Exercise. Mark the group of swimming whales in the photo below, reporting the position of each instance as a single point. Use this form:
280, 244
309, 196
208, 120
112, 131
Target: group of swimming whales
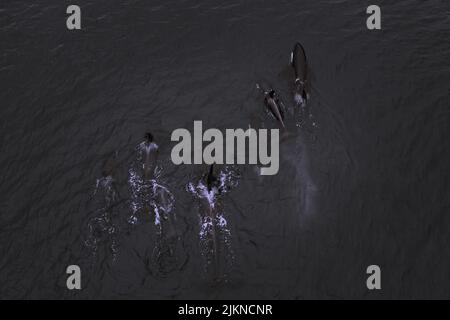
216, 230
214, 184
272, 99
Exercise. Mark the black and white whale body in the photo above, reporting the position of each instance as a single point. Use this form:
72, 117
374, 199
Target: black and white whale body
300, 65
273, 104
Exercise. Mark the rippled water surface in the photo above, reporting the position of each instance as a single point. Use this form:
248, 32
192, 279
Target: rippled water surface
363, 175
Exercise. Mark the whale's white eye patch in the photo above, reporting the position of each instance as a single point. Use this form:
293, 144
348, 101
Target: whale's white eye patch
292, 57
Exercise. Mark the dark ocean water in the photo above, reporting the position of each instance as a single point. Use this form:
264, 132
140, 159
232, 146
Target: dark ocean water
363, 181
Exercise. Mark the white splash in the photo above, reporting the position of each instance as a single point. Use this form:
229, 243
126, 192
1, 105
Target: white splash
148, 194
214, 229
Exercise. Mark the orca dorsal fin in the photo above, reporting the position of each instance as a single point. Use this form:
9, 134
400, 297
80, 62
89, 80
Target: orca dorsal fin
211, 178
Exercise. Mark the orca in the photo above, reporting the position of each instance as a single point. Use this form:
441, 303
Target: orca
273, 104
299, 63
